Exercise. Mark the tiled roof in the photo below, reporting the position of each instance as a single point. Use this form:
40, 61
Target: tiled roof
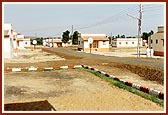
97, 38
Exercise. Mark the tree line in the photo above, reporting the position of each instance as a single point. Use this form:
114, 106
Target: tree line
66, 37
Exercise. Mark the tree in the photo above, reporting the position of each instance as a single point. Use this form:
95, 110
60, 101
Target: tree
39, 41
65, 36
118, 36
150, 33
75, 37
122, 36
146, 35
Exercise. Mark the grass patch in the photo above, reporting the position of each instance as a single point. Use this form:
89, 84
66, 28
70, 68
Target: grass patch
128, 88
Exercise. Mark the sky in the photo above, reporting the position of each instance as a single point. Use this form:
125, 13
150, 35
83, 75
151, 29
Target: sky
52, 19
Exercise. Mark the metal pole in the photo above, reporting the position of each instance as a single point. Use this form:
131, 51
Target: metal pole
90, 48
139, 30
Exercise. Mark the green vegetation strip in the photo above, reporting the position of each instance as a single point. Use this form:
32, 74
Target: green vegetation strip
128, 88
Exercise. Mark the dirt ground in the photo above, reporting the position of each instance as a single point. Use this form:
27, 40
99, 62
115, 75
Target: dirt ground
90, 98
72, 90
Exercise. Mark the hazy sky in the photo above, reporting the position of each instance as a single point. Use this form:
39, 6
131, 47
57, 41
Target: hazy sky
47, 20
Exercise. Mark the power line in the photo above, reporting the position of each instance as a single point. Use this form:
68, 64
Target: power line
114, 18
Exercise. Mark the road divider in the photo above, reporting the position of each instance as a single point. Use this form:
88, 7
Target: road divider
40, 68
150, 91
144, 89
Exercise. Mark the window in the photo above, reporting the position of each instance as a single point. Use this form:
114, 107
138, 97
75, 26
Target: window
132, 42
126, 42
151, 41
163, 41
156, 41
26, 43
79, 42
119, 42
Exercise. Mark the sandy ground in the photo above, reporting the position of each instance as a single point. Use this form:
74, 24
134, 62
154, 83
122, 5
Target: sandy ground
127, 52
72, 90
84, 94
31, 56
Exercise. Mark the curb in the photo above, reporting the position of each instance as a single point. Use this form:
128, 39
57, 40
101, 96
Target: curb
40, 69
150, 91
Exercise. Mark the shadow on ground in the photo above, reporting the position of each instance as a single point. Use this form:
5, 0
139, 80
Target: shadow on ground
30, 106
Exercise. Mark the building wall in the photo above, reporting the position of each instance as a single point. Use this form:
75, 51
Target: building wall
157, 41
7, 48
97, 44
103, 44
86, 44
126, 42
26, 43
81, 43
8, 41
21, 45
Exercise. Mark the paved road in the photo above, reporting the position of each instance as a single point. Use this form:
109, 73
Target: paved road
157, 63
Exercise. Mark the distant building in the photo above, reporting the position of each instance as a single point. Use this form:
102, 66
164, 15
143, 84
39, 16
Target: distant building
56, 42
20, 43
8, 41
100, 42
26, 42
156, 41
126, 42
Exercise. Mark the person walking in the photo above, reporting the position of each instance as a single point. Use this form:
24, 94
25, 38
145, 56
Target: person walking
151, 52
147, 52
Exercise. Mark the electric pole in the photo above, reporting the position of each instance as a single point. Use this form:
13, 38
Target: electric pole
139, 30
111, 39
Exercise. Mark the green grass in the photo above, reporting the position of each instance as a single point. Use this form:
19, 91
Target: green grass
128, 88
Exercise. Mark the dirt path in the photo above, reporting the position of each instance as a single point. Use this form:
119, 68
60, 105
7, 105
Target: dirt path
72, 90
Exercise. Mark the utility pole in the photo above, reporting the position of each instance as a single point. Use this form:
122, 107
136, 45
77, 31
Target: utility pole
110, 39
139, 29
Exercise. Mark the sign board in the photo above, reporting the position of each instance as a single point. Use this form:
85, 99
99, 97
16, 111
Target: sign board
90, 40
34, 42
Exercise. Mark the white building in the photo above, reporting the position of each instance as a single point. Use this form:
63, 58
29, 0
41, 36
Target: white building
156, 41
56, 42
20, 43
100, 42
126, 42
23, 42
8, 41
27, 42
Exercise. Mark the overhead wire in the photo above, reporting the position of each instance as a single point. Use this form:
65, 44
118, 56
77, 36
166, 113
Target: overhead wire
121, 15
